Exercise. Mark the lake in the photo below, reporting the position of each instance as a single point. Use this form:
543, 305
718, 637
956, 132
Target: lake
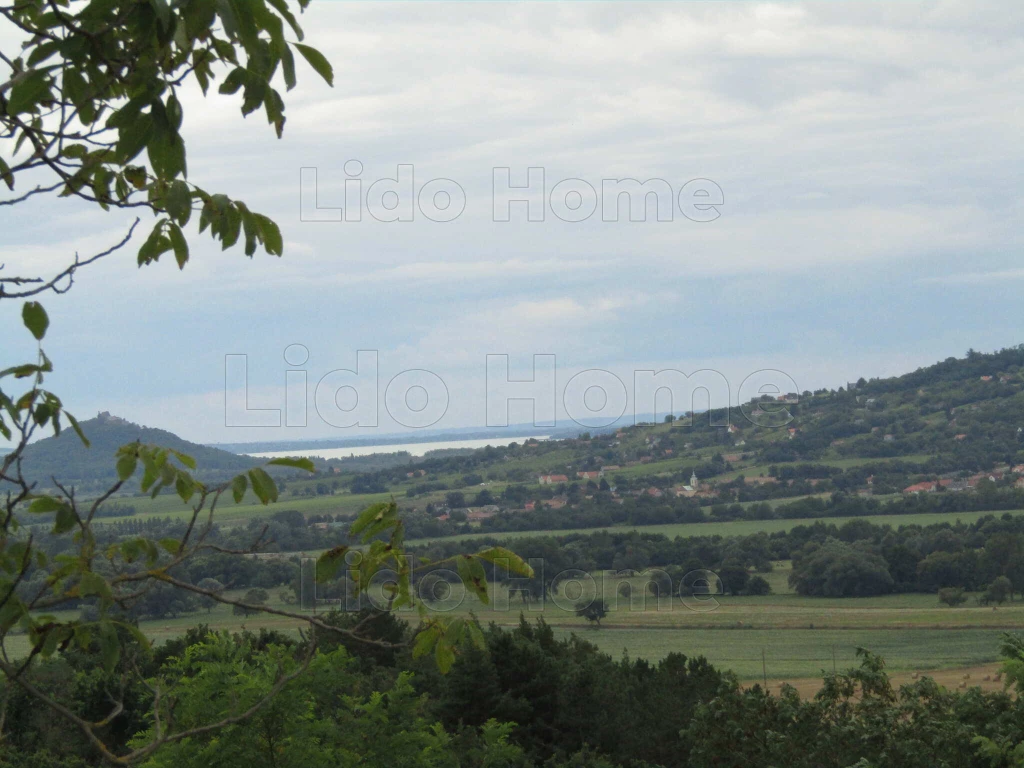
416, 449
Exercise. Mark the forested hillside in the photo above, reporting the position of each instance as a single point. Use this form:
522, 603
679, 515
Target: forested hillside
68, 459
949, 437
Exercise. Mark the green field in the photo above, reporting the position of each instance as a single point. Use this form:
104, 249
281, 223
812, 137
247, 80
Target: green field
228, 513
795, 654
797, 635
739, 527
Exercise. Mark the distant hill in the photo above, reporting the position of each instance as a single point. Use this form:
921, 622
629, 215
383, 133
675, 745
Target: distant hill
67, 459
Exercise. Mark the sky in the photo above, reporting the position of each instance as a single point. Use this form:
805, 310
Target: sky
864, 157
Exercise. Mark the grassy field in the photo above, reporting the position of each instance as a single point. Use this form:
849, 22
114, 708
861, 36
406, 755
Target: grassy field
797, 654
798, 636
228, 513
740, 527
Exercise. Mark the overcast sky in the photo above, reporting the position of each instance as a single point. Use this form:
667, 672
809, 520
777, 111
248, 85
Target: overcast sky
869, 154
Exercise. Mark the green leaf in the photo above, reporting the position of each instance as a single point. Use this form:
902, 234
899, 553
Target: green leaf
272, 239
155, 244
133, 137
297, 463
42, 52
75, 151
471, 571
110, 647
5, 174
163, 12
179, 202
28, 92
167, 155
179, 244
21, 371
317, 61
35, 319
78, 429
263, 485
329, 562
234, 81
11, 612
83, 636
185, 486
93, 584
281, 6
66, 520
251, 229
44, 504
425, 641
238, 488
184, 458
376, 514
174, 112
52, 635
126, 466
43, 413
444, 655
288, 67
170, 545
476, 636
507, 559
232, 227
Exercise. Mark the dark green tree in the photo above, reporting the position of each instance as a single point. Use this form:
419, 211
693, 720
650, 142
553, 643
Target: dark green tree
592, 610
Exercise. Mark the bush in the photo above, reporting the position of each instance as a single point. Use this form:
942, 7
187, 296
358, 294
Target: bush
952, 596
758, 586
592, 610
254, 597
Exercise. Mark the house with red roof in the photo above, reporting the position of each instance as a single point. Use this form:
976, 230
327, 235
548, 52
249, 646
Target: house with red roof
925, 487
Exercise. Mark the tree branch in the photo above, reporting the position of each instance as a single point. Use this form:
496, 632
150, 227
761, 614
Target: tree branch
68, 273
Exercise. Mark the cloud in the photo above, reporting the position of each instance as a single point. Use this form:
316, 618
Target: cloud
862, 148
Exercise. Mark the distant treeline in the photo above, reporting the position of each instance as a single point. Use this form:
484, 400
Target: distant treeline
858, 558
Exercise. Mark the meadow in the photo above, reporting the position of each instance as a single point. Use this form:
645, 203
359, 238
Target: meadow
230, 514
737, 527
784, 635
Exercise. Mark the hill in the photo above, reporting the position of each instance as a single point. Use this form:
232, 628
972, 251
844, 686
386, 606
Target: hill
884, 446
71, 462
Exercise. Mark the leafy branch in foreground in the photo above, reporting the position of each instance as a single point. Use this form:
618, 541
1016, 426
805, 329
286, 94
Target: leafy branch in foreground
90, 108
115, 575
